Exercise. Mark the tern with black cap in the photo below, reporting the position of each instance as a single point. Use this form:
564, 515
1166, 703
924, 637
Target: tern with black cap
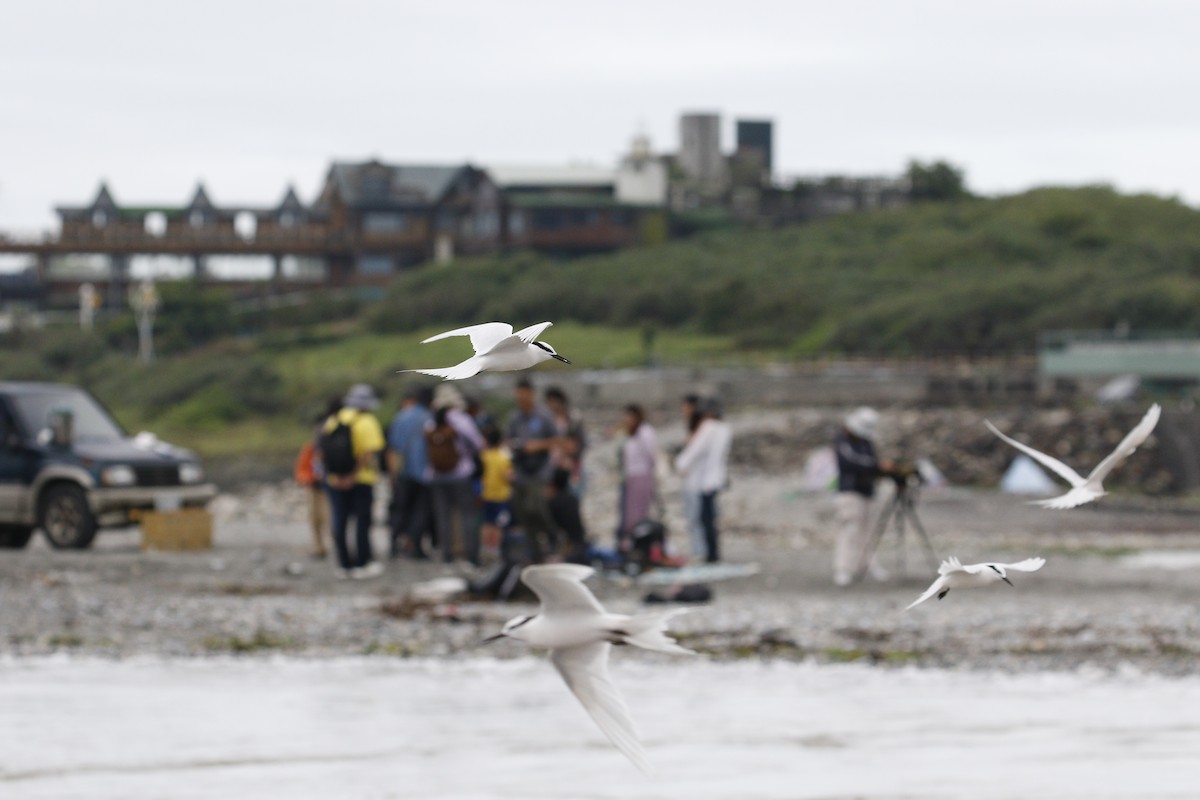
953, 574
1085, 490
497, 349
579, 633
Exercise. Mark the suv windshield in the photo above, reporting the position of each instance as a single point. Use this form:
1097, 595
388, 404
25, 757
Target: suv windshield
90, 420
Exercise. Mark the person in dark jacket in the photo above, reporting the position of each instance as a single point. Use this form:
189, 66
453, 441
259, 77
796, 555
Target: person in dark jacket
858, 469
564, 511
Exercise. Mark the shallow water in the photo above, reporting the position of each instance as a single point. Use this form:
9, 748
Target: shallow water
478, 728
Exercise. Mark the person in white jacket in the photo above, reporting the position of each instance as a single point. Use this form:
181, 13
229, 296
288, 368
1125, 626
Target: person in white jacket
703, 466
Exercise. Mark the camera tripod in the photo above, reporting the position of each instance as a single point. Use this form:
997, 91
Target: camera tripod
902, 509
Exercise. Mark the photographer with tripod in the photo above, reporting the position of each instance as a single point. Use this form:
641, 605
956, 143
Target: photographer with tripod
858, 469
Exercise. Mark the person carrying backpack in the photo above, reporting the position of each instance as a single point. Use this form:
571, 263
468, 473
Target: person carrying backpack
350, 443
452, 443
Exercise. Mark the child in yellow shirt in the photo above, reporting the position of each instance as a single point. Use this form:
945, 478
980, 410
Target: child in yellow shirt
496, 491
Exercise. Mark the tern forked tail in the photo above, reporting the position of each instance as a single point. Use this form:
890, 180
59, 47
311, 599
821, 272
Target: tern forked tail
467, 369
648, 631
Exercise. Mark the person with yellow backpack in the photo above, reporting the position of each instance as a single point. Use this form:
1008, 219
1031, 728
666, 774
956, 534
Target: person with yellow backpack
350, 443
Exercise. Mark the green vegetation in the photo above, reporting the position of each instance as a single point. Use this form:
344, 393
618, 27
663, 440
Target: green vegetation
842, 655
393, 649
936, 181
961, 276
258, 395
972, 276
259, 642
66, 640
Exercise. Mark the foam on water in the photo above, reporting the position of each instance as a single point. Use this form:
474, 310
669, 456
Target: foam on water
479, 728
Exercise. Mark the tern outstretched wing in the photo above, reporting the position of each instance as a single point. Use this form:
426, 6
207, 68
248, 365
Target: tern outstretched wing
483, 336
1072, 499
933, 589
1066, 473
529, 335
458, 372
560, 588
951, 564
505, 344
1028, 565
585, 670
1128, 445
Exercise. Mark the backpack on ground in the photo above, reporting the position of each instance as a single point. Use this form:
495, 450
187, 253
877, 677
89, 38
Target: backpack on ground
337, 450
441, 448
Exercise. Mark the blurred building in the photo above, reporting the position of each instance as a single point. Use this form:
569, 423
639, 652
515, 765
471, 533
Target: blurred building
400, 215
838, 194
699, 158
579, 209
642, 178
372, 220
1163, 359
755, 136
20, 290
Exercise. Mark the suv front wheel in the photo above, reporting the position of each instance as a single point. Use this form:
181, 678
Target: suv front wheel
65, 518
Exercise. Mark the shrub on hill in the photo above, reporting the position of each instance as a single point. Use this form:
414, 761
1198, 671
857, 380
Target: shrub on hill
973, 276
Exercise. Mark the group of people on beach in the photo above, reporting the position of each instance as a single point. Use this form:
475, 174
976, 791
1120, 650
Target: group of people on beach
463, 480
466, 487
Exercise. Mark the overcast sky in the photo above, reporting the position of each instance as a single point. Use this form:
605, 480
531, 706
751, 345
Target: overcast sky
249, 96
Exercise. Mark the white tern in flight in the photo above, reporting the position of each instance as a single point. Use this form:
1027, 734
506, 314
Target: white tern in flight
1085, 490
578, 632
497, 349
953, 574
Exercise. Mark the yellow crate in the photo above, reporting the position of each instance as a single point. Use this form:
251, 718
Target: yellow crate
183, 529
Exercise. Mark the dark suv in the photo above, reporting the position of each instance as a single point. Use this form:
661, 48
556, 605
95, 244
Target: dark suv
67, 467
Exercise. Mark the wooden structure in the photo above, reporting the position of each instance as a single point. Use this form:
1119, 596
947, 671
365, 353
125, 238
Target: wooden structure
370, 221
570, 211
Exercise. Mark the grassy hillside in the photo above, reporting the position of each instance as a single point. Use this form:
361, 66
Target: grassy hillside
973, 276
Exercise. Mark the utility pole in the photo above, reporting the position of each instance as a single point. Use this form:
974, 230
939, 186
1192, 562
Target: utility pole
88, 300
144, 301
